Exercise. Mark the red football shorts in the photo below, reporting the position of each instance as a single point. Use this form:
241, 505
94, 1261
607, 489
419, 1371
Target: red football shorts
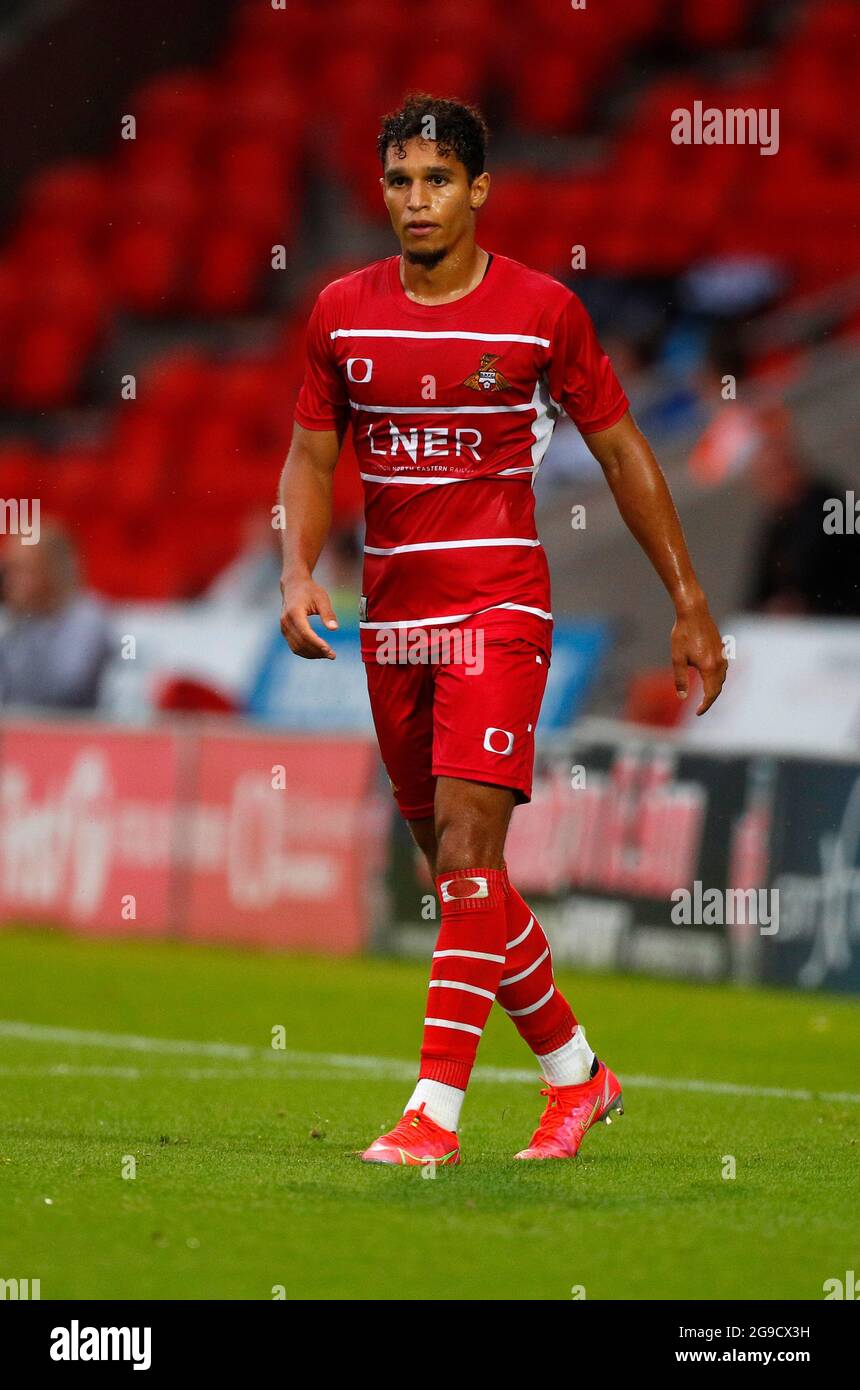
473, 718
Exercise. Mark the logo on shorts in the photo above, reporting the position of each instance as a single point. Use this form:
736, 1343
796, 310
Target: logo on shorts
487, 378
498, 741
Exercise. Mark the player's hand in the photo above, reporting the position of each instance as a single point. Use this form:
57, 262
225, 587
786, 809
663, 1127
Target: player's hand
301, 598
696, 642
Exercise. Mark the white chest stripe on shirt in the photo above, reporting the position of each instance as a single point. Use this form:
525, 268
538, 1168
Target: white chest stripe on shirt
415, 333
460, 617
448, 545
404, 478
423, 480
442, 409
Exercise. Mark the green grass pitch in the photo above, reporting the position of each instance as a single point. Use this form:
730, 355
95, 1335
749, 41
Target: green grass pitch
246, 1175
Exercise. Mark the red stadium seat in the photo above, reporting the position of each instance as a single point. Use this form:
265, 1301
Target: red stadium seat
198, 541
156, 157
154, 224
551, 88
62, 323
71, 198
250, 186
640, 20
299, 29
213, 465
145, 268
232, 263
12, 315
457, 72
77, 481
22, 470
706, 25
140, 450
179, 384
269, 111
178, 101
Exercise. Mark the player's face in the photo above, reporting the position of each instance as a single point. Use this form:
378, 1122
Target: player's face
430, 200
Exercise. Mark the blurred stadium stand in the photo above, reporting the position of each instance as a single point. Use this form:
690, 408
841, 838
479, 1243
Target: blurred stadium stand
152, 256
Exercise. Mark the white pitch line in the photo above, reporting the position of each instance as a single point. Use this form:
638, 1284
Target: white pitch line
122, 1042
62, 1071
280, 1064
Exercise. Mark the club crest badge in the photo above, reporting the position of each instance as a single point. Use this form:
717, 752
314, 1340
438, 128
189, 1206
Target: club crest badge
487, 378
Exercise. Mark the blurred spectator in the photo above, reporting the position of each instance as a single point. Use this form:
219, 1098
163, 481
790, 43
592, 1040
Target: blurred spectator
55, 639
733, 432
339, 572
800, 568
252, 578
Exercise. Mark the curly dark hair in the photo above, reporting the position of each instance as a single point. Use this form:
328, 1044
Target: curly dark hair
459, 129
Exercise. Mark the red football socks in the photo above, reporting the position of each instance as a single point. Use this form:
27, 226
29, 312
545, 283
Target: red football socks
490, 944
527, 992
467, 966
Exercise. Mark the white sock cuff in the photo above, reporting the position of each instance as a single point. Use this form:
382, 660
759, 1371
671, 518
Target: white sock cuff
441, 1102
570, 1064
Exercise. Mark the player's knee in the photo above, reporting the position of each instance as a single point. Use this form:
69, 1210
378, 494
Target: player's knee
471, 825
467, 845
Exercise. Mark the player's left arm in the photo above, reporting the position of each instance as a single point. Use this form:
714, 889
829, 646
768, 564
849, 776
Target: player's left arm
645, 503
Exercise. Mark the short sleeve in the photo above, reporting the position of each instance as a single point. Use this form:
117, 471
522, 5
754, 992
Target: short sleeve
580, 375
322, 402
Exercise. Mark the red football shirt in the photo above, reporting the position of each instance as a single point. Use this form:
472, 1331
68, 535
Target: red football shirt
452, 409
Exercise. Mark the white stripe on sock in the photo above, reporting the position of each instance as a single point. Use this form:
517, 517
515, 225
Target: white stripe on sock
509, 945
458, 984
512, 979
532, 1008
449, 1023
472, 955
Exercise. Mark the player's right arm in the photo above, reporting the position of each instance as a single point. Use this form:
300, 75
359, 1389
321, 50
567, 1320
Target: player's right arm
306, 483
305, 495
